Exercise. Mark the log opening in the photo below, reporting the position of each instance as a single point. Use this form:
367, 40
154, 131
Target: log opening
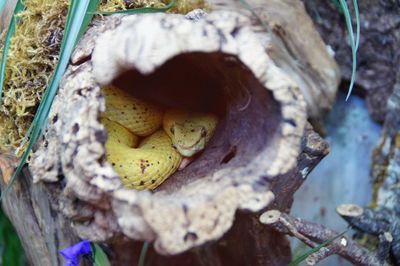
212, 82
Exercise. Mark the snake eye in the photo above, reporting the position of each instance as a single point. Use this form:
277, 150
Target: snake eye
172, 129
203, 132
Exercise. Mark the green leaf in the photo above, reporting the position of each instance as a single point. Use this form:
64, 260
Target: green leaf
140, 10
143, 253
88, 17
11, 30
77, 16
354, 42
304, 256
2, 5
100, 257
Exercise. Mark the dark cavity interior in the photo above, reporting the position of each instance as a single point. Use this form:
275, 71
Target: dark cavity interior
212, 82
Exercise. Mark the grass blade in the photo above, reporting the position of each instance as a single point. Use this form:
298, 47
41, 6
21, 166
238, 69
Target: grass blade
100, 257
140, 10
92, 7
143, 253
2, 5
357, 13
77, 16
353, 42
304, 256
11, 29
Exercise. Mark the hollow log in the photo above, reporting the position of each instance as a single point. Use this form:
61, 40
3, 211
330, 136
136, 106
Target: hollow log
259, 155
220, 68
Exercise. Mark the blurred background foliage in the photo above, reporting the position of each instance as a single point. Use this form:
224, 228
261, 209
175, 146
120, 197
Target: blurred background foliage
11, 252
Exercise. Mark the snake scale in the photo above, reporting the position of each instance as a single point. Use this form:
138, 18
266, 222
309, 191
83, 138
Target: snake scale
146, 144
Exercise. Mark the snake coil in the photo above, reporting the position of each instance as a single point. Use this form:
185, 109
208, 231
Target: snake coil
167, 137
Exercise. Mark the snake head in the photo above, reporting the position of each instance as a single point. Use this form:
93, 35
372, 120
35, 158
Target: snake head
189, 131
188, 139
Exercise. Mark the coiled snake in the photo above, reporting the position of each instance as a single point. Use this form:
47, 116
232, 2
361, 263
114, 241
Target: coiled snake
146, 144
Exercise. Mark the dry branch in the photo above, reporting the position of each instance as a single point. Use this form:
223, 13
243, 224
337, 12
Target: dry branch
313, 234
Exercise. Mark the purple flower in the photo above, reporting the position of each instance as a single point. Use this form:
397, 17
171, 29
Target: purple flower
73, 254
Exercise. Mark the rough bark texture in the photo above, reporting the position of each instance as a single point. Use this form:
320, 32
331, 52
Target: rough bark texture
386, 159
378, 57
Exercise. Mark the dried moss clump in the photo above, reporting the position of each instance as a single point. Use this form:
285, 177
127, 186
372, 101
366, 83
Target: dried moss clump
185, 6
33, 55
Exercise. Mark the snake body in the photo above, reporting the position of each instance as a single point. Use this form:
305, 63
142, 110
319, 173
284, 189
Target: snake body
146, 144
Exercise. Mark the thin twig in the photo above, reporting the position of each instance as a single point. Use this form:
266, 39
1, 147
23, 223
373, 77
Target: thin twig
317, 234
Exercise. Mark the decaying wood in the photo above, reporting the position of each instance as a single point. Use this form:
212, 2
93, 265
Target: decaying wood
222, 62
378, 56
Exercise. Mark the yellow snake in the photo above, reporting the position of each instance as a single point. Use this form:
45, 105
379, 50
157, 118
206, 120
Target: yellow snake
146, 144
